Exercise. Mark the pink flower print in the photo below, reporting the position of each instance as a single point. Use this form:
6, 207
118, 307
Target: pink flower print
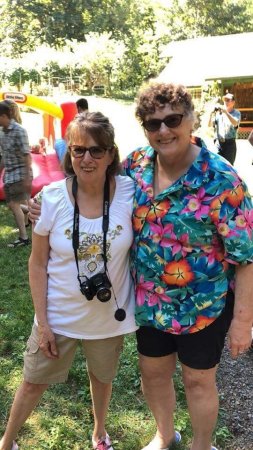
142, 290
240, 221
146, 187
159, 232
195, 204
176, 326
223, 229
214, 251
181, 245
247, 214
210, 252
157, 296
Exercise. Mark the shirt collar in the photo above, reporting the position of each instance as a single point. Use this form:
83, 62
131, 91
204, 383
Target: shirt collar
195, 177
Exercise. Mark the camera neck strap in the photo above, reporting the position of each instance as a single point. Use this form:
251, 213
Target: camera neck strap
105, 223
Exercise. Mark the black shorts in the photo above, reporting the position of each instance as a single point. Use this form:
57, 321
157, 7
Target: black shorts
200, 350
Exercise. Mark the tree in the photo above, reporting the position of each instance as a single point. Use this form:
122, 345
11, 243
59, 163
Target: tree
25, 24
142, 27
98, 59
193, 18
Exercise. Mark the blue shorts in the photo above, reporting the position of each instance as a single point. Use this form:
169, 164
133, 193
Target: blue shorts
200, 350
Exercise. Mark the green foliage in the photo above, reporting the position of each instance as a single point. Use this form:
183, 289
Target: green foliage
98, 59
207, 18
125, 37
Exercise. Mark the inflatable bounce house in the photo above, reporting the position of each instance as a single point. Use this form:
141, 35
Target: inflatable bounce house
48, 153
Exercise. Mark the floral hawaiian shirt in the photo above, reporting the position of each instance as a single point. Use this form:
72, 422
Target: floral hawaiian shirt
187, 241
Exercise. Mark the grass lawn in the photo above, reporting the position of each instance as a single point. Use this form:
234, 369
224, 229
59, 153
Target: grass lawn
63, 420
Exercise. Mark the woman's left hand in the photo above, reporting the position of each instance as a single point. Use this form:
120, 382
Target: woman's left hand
239, 337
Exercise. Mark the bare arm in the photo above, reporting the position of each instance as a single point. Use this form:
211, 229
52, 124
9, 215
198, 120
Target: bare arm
38, 283
27, 180
240, 330
233, 120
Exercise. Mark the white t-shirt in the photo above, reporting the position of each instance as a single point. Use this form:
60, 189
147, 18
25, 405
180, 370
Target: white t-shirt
69, 312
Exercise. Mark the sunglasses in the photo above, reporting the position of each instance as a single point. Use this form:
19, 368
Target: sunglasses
95, 152
171, 121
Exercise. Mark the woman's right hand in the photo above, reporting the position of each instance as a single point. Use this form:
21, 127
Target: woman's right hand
34, 210
47, 342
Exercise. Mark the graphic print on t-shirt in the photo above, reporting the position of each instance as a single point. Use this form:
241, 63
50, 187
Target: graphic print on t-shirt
90, 252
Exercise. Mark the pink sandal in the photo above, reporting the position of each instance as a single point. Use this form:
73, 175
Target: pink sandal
102, 444
14, 446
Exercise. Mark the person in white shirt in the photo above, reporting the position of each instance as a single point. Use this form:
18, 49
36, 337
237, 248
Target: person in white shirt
79, 275
225, 120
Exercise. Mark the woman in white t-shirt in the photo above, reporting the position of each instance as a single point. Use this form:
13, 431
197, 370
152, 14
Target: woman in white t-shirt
79, 275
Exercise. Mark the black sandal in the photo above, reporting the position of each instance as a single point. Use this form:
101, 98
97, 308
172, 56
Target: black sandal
20, 242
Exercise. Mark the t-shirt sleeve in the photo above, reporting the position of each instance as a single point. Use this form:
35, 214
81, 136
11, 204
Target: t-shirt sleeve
235, 225
126, 189
49, 198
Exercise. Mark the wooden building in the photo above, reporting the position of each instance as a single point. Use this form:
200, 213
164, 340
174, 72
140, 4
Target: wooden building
226, 60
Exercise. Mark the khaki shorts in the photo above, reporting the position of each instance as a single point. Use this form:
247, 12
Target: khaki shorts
102, 356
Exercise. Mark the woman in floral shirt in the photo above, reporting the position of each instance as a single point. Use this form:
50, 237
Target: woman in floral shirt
192, 251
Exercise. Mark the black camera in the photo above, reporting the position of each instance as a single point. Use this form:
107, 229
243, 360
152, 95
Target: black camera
217, 108
98, 285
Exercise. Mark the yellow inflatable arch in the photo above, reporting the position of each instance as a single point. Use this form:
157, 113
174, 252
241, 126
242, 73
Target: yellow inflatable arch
36, 102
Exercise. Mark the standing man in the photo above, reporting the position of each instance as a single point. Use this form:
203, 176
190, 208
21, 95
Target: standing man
16, 161
225, 120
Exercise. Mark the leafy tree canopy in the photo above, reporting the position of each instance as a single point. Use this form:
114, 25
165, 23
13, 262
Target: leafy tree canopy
132, 32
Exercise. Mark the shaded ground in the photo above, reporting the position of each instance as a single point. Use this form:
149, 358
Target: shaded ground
235, 381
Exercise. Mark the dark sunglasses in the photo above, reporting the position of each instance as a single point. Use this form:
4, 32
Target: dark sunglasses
95, 152
171, 121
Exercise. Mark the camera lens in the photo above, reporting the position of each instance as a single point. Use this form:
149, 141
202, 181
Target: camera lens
103, 294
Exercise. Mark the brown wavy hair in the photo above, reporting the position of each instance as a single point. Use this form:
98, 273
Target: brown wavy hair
15, 112
157, 95
98, 126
